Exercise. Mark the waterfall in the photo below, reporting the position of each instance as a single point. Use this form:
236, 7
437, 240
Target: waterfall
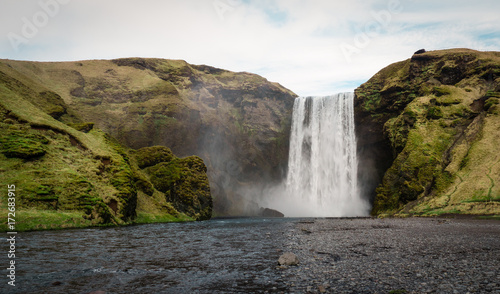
322, 166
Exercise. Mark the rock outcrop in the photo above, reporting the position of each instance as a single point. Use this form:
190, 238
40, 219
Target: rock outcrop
238, 123
67, 173
183, 180
427, 131
268, 212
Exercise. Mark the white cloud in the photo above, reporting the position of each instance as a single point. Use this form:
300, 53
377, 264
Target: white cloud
294, 42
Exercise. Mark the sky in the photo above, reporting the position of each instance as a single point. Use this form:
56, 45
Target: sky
314, 47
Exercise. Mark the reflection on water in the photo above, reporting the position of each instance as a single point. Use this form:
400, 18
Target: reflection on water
216, 256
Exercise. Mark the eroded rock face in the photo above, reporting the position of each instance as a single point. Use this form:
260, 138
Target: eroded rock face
238, 123
184, 181
80, 176
420, 124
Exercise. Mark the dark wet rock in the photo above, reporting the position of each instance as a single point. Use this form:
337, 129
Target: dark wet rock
268, 212
420, 51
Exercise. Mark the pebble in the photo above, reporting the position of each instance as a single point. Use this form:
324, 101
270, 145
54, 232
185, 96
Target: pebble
415, 255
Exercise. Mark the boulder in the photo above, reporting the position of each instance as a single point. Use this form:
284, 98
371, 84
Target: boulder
268, 212
421, 51
288, 259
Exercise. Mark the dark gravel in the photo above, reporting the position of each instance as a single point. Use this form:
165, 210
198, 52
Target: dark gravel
413, 255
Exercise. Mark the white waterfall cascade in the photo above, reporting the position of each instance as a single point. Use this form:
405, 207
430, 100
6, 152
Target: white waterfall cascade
322, 166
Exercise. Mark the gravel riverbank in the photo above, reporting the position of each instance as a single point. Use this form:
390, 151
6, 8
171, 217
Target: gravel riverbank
414, 255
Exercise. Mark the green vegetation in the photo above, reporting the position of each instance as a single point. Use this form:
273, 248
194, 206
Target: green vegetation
193, 109
441, 91
149, 156
185, 184
69, 174
36, 219
15, 143
149, 218
439, 112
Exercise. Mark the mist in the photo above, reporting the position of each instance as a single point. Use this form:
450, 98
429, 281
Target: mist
322, 177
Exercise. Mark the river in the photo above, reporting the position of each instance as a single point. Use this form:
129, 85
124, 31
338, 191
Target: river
337, 255
216, 256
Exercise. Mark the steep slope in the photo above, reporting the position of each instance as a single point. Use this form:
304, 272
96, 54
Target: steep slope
69, 174
237, 122
429, 129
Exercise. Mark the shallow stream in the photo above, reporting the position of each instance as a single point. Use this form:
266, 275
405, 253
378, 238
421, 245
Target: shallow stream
216, 256
361, 255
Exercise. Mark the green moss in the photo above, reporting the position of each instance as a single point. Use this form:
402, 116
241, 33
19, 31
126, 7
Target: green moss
143, 184
439, 212
149, 218
440, 91
461, 111
73, 175
21, 144
52, 104
434, 112
417, 169
162, 88
431, 139
490, 102
491, 93
149, 156
82, 127
185, 184
43, 190
34, 219
164, 175
494, 110
122, 180
372, 101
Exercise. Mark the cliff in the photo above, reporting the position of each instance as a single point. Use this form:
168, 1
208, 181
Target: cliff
68, 173
238, 123
428, 130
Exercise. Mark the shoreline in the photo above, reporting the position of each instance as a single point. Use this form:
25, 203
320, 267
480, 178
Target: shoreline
3, 227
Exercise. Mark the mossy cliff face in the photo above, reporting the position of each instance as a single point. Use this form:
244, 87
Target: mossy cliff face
238, 123
428, 131
183, 180
69, 174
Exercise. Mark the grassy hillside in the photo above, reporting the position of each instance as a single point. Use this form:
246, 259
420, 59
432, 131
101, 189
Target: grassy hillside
69, 174
438, 116
237, 122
